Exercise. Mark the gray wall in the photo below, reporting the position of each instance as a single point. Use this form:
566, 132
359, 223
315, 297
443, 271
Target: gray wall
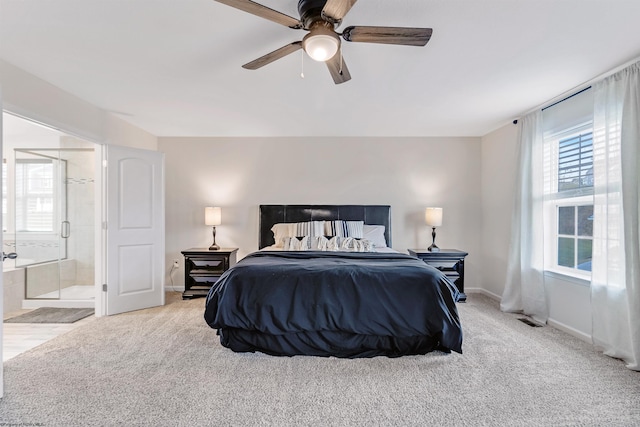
239, 174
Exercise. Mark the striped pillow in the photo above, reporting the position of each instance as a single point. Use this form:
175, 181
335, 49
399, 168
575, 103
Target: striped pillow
344, 228
309, 228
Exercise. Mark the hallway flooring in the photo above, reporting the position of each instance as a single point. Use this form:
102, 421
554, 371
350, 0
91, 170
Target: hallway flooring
20, 337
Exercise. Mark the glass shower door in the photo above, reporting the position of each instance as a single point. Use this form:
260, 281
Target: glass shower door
41, 225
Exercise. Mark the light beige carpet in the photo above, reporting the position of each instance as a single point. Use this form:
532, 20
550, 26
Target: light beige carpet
165, 367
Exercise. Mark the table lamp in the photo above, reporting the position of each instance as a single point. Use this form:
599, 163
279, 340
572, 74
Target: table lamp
433, 218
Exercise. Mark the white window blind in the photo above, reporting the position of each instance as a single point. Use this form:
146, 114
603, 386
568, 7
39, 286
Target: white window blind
34, 195
575, 162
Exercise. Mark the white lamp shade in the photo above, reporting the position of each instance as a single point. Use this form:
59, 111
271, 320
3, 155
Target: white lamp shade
433, 217
212, 216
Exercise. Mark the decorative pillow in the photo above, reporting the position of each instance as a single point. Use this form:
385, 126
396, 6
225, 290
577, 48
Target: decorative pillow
296, 229
344, 228
295, 243
318, 243
349, 244
375, 234
322, 243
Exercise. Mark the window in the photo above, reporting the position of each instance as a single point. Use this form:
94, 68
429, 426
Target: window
34, 195
575, 236
570, 201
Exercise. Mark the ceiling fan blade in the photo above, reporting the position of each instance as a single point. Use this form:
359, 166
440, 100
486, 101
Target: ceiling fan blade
338, 69
270, 57
335, 10
263, 12
388, 35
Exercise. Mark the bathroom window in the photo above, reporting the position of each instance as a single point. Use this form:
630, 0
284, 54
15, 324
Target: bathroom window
34, 195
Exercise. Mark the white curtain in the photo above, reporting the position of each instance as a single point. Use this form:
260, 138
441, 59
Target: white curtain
524, 291
615, 287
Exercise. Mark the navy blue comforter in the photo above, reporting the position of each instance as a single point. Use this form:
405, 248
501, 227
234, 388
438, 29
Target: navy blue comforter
334, 304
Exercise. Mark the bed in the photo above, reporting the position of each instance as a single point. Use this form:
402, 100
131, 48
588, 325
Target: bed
333, 303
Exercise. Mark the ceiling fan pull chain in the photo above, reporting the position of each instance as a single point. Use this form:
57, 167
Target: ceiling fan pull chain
302, 65
341, 57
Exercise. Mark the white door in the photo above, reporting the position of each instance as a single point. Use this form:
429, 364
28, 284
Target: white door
134, 229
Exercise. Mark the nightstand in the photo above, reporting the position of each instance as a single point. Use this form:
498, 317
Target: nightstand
203, 267
449, 261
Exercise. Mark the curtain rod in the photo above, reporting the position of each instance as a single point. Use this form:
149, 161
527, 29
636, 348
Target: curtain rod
577, 89
568, 97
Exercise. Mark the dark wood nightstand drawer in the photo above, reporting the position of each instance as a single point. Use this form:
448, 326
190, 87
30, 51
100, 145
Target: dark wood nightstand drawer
203, 268
204, 279
218, 264
443, 265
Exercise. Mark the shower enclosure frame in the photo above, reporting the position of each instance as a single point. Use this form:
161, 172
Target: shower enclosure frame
47, 270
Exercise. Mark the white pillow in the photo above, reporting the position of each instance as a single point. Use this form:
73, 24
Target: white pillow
280, 231
375, 234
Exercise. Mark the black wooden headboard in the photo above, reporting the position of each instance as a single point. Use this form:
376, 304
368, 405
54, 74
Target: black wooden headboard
274, 214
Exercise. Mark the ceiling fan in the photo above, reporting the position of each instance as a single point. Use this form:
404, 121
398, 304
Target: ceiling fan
322, 43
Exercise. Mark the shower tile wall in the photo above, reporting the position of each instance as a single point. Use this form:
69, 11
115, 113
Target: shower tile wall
81, 200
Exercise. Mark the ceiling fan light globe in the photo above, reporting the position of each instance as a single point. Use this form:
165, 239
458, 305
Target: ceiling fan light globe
321, 47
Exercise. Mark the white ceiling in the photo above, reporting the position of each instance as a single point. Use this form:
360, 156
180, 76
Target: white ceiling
173, 67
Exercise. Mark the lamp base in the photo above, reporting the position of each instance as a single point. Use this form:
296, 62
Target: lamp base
433, 247
213, 246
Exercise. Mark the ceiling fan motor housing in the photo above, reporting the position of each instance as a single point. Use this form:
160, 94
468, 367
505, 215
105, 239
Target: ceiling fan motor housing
311, 11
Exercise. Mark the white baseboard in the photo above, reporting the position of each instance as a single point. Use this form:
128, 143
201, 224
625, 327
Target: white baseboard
569, 330
551, 322
176, 288
483, 292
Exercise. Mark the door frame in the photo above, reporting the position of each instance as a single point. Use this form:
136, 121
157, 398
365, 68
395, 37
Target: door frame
100, 246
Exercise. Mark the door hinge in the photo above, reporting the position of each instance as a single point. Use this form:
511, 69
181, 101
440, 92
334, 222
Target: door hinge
104, 287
